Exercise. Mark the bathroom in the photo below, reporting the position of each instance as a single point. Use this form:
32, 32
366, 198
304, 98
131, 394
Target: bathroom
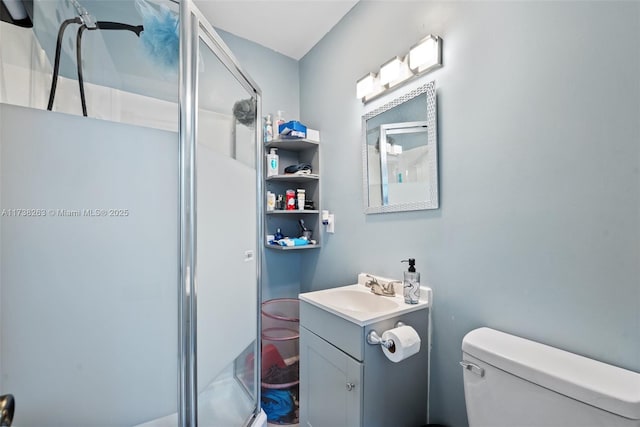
537, 232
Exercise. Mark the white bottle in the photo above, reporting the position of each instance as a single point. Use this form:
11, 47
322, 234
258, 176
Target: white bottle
279, 120
271, 201
268, 129
272, 162
301, 196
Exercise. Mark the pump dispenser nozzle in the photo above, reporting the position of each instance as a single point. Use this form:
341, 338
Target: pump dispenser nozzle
412, 264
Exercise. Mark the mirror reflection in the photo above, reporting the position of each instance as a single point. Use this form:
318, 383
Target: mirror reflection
400, 153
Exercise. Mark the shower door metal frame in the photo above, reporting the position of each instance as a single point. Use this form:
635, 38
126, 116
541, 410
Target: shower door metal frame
195, 27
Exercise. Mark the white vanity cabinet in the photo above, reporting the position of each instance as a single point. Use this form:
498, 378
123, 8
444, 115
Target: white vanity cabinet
346, 382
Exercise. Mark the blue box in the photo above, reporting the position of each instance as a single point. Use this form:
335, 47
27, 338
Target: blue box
293, 129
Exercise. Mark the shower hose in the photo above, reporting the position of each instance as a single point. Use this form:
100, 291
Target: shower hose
100, 25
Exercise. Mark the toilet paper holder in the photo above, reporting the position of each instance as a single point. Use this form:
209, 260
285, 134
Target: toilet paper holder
374, 339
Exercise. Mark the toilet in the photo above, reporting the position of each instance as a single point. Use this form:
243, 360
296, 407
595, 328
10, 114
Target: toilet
512, 382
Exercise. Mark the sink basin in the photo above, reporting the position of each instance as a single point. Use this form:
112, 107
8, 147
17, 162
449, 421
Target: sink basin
356, 303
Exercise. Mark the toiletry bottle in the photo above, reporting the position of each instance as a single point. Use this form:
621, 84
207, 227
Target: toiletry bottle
411, 289
291, 200
268, 129
272, 162
301, 196
271, 201
279, 120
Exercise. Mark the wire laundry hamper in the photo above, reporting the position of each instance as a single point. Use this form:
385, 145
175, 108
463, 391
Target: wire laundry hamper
280, 360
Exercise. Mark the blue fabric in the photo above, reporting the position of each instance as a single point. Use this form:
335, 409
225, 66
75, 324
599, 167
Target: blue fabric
293, 242
160, 37
276, 404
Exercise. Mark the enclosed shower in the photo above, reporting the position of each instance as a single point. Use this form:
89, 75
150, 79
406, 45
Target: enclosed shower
129, 187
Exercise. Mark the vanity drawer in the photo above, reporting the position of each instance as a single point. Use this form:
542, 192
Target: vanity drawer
341, 333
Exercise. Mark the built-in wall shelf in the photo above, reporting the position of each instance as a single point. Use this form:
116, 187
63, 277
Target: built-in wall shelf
294, 177
293, 212
293, 144
292, 248
293, 152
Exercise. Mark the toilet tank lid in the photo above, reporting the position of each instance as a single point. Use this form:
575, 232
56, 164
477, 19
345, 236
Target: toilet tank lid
598, 384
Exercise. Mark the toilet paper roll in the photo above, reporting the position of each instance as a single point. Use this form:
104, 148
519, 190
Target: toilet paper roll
406, 343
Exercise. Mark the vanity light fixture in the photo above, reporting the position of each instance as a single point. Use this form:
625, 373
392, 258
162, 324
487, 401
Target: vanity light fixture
426, 54
395, 71
366, 85
423, 57
390, 71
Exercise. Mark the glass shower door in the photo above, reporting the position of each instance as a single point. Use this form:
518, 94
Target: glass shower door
226, 279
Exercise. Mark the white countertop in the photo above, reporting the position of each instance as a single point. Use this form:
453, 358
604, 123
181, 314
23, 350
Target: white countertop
356, 303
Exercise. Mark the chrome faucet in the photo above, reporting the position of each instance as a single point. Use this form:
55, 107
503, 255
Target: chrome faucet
377, 288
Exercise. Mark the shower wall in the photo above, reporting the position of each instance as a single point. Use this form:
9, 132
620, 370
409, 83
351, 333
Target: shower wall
25, 79
88, 298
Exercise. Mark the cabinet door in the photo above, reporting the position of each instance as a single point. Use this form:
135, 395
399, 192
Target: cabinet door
330, 384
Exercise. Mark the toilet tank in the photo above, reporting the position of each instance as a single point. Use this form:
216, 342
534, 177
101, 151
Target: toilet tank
514, 382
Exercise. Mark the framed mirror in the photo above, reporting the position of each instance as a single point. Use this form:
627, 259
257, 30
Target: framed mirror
400, 153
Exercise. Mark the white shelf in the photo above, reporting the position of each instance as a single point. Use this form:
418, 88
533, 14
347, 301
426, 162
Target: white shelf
292, 212
294, 144
294, 177
292, 248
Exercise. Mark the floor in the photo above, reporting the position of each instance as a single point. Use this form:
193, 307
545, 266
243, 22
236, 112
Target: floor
223, 403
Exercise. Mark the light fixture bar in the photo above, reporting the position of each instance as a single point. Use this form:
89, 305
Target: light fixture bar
424, 56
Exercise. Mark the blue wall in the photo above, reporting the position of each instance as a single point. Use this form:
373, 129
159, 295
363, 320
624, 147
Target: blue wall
539, 127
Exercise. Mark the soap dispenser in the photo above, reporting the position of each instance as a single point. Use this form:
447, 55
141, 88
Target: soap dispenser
411, 283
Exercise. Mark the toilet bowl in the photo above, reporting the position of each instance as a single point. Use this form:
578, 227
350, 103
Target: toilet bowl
511, 382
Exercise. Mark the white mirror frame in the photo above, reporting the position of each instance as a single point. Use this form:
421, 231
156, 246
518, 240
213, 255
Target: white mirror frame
432, 201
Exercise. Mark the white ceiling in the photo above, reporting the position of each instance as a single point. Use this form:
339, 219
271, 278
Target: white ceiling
290, 27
